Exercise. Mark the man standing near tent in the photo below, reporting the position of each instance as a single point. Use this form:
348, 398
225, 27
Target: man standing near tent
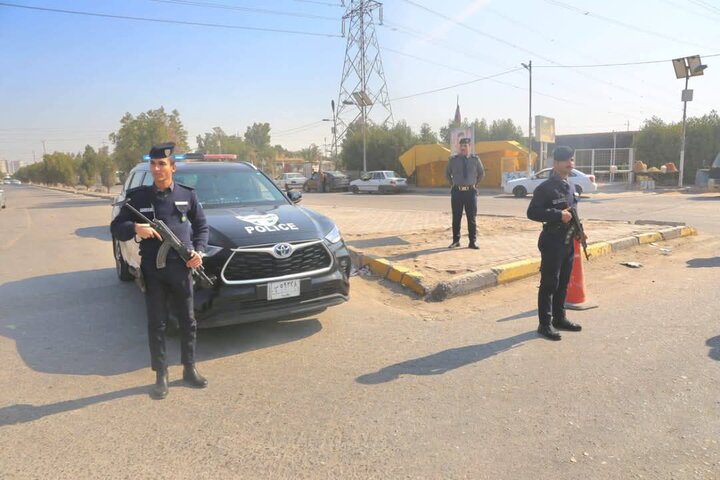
464, 173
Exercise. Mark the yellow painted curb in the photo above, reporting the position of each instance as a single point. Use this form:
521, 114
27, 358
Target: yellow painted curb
379, 266
396, 273
599, 249
649, 237
412, 281
688, 231
512, 271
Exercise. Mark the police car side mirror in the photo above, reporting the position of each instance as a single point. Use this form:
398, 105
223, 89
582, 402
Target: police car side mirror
295, 196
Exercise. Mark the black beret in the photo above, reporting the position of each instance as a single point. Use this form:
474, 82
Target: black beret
464, 140
561, 154
162, 150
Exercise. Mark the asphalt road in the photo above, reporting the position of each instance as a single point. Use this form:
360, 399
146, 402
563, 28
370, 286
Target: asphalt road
385, 386
699, 210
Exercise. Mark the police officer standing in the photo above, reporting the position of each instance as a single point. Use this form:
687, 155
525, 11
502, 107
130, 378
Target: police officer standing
178, 206
464, 173
550, 204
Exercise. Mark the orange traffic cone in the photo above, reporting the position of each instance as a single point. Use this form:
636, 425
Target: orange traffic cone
576, 299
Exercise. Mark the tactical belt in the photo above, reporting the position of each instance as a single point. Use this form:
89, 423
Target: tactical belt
555, 227
463, 188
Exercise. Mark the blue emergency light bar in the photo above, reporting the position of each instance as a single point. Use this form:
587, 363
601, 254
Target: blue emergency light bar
177, 158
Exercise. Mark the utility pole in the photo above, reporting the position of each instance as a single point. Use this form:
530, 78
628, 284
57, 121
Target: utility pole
44, 151
528, 67
362, 84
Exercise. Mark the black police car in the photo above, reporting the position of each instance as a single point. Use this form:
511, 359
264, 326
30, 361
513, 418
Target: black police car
272, 258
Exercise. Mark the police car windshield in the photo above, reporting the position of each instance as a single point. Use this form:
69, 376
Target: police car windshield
220, 188
391, 175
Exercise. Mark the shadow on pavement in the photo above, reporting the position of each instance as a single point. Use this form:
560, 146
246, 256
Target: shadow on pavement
23, 413
714, 344
518, 316
445, 361
704, 262
89, 323
705, 198
378, 242
101, 232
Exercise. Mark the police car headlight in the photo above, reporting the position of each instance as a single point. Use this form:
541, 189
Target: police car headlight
333, 236
212, 250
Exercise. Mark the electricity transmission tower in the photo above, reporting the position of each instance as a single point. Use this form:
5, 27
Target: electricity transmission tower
363, 93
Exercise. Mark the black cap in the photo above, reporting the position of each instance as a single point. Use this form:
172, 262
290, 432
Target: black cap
561, 154
162, 150
464, 140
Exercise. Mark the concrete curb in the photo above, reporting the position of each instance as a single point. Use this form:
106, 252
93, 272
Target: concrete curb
498, 274
107, 196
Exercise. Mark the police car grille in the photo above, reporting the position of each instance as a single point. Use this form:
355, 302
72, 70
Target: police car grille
252, 265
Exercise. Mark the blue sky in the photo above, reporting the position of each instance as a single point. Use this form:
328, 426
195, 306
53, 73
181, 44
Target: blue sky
68, 79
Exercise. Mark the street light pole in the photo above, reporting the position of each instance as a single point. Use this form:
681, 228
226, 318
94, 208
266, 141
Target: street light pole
528, 67
682, 142
686, 67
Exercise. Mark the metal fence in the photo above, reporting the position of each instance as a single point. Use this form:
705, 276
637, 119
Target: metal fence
609, 165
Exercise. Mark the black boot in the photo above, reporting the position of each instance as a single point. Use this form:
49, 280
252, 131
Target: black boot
192, 377
565, 324
473, 245
454, 244
549, 332
160, 389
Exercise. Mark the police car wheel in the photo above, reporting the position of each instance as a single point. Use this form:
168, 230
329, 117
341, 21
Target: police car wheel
579, 190
519, 191
121, 267
354, 189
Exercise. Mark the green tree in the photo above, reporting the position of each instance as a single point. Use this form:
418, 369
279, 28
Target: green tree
88, 167
137, 135
384, 146
218, 141
310, 154
505, 129
106, 168
427, 135
59, 168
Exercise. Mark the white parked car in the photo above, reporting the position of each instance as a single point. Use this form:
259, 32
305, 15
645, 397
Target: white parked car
522, 186
381, 181
290, 180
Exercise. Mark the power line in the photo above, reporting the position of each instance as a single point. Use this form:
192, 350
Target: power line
243, 9
634, 28
457, 84
705, 5
450, 67
512, 45
174, 22
617, 64
297, 129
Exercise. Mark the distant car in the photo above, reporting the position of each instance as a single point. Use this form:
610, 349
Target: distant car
290, 180
6, 181
15, 181
714, 174
522, 186
2, 199
331, 180
381, 181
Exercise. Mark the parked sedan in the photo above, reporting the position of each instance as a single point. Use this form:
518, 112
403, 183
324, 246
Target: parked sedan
381, 181
291, 180
522, 186
326, 182
2, 199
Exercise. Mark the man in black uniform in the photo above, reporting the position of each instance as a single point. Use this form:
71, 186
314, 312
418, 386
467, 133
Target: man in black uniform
550, 204
178, 206
464, 172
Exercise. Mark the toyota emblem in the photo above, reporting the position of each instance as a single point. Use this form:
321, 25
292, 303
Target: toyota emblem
283, 250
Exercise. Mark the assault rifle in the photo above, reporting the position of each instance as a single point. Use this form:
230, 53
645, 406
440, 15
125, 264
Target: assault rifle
576, 229
170, 240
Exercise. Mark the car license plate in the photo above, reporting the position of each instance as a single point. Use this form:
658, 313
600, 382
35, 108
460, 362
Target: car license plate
285, 289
